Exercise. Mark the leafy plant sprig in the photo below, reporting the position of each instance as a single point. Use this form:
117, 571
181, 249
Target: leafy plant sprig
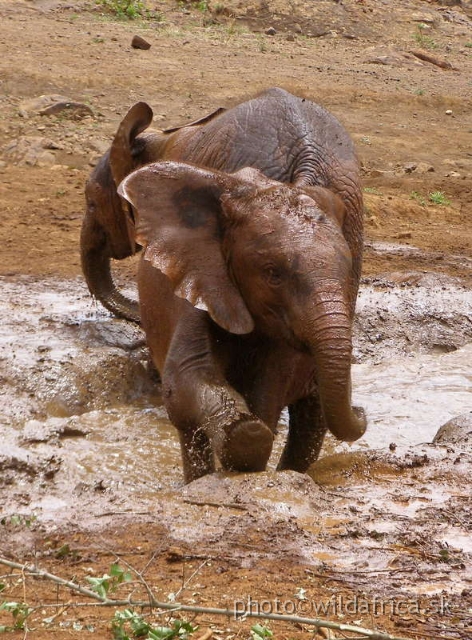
109, 583
128, 621
19, 611
125, 9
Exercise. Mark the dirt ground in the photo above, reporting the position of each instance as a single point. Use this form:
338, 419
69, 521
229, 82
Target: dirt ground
411, 120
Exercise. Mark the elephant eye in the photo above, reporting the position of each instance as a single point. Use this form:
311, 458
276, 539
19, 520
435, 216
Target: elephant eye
273, 275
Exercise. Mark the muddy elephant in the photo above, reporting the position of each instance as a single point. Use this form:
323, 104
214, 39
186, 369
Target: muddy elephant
251, 224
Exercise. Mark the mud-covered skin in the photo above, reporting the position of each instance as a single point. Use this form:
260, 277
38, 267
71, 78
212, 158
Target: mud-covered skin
273, 249
289, 139
245, 295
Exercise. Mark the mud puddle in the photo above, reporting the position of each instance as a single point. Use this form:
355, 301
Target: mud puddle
77, 383
85, 439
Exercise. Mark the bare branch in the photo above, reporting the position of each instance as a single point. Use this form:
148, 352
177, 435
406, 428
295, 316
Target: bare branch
366, 634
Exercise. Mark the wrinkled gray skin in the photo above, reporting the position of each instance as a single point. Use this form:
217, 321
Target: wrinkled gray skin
248, 278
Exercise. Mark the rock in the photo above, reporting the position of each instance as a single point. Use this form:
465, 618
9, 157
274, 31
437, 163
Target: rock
270, 31
428, 57
319, 33
424, 167
76, 110
33, 106
418, 167
385, 60
449, 112
390, 56
379, 173
455, 431
52, 105
410, 167
455, 17
140, 43
424, 18
31, 150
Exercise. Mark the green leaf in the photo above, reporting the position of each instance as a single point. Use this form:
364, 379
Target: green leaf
19, 610
100, 585
259, 631
119, 574
161, 633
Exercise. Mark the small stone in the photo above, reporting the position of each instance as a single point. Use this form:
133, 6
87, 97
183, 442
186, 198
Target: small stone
76, 110
410, 167
290, 37
424, 167
418, 167
140, 43
426, 19
449, 112
270, 31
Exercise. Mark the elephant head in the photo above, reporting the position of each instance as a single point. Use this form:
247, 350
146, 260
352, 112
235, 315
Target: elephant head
107, 227
257, 255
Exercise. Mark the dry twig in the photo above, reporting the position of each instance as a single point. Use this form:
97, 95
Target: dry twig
318, 623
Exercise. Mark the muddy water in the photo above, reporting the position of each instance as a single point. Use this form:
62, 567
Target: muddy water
410, 398
77, 382
85, 442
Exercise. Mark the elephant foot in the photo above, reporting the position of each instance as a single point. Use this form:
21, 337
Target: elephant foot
245, 445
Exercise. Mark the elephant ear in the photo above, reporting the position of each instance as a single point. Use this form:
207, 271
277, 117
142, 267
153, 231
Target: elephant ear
180, 222
329, 202
138, 118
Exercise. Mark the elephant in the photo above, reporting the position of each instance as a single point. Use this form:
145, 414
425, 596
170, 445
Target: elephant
250, 222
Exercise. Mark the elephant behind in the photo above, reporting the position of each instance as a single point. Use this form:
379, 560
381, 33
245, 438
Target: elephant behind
251, 223
287, 138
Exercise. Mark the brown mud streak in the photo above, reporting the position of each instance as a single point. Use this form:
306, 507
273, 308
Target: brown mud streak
412, 125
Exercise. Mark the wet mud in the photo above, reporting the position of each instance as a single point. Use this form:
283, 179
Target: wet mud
85, 436
378, 533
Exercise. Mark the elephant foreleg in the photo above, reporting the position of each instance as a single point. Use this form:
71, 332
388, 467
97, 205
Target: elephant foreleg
197, 456
210, 415
307, 430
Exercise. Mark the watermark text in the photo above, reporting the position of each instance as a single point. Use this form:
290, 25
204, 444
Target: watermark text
341, 606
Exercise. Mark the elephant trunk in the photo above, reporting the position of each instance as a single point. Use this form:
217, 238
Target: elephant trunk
95, 256
331, 346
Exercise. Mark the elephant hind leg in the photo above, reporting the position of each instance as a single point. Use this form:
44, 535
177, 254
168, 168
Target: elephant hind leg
307, 430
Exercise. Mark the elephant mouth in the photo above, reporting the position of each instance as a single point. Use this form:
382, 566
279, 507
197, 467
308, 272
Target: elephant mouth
299, 345
277, 325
